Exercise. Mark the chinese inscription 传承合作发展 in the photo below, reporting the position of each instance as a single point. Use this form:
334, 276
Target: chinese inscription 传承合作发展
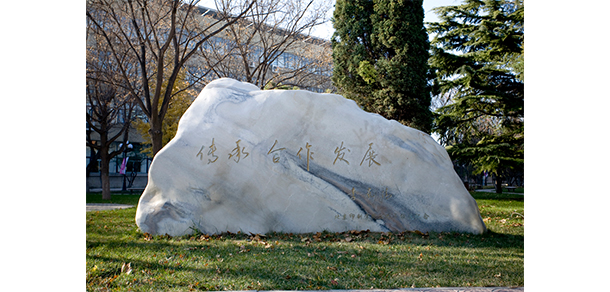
340, 151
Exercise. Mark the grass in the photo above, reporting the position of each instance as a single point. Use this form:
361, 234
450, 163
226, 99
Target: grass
278, 261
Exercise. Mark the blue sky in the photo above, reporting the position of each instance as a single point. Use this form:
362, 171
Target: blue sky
429, 4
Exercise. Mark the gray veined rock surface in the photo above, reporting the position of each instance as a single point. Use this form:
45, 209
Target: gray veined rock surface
295, 161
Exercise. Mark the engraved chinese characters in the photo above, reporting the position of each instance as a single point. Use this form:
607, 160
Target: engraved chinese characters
236, 152
210, 153
252, 160
370, 156
276, 156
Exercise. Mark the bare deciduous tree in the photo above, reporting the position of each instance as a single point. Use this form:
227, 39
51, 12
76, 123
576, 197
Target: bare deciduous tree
156, 38
271, 45
109, 109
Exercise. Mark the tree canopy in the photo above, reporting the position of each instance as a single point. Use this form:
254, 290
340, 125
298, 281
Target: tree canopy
477, 58
380, 54
272, 45
177, 107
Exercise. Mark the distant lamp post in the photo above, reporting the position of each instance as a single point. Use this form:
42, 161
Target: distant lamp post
123, 169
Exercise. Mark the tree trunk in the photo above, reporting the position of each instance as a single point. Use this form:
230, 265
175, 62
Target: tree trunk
91, 166
498, 184
156, 135
105, 173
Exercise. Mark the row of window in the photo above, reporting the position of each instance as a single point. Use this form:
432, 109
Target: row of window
256, 56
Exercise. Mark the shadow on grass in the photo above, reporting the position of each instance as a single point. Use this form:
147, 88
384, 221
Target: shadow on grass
292, 262
494, 196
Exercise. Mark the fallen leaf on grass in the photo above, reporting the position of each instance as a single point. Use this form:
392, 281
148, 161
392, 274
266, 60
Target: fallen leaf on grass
356, 232
126, 268
112, 279
317, 236
517, 214
332, 268
148, 236
423, 235
334, 282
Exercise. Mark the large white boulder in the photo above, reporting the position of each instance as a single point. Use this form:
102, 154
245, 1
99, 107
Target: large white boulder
295, 161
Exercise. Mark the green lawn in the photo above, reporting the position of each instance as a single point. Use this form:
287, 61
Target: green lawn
350, 260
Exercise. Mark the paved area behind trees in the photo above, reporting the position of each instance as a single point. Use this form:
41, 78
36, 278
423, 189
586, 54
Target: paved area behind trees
104, 206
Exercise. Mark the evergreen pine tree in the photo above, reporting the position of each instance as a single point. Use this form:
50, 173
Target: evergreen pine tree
380, 54
351, 46
477, 56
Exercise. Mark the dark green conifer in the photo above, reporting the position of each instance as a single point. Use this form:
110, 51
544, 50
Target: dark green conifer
477, 57
380, 54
